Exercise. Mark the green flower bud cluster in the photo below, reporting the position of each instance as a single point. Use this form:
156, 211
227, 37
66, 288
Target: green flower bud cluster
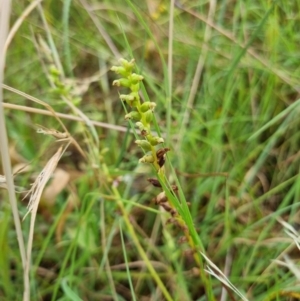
60, 87
142, 113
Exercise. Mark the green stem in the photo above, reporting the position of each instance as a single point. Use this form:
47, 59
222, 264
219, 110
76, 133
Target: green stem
140, 249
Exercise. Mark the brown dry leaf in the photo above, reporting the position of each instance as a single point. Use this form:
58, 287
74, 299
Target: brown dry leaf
60, 180
15, 157
74, 174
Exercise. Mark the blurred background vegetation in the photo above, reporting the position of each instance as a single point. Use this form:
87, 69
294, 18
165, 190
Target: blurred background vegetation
225, 79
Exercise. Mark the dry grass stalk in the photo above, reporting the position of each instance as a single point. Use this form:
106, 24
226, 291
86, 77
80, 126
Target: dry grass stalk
36, 193
19, 22
60, 137
54, 133
213, 270
41, 181
60, 115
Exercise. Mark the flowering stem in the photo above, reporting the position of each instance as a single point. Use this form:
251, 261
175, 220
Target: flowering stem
142, 114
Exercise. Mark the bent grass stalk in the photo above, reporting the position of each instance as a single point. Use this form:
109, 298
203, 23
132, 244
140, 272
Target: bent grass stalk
142, 114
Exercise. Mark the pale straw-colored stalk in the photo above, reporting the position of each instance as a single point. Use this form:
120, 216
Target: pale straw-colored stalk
4, 148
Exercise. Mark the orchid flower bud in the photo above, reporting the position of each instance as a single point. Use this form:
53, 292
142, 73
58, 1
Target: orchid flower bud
148, 116
147, 159
155, 140
122, 82
134, 115
144, 144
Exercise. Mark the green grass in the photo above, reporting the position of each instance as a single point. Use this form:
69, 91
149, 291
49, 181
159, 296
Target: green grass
234, 150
